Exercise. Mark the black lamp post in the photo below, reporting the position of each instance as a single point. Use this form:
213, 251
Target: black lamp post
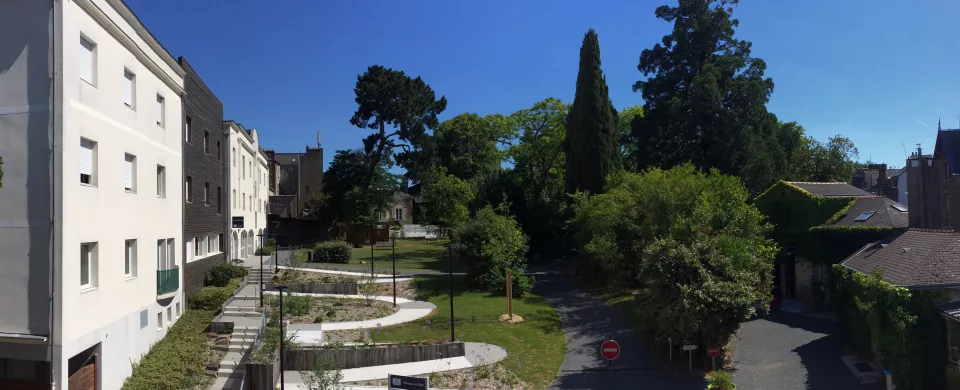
283, 335
394, 240
372, 232
450, 274
261, 235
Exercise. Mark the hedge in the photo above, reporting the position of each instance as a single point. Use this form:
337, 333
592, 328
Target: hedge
177, 361
221, 274
900, 327
333, 252
212, 297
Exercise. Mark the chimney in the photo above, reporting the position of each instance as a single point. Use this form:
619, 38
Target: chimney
882, 177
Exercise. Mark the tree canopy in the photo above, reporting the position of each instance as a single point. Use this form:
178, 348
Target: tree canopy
592, 137
344, 199
624, 122
446, 199
813, 160
467, 144
705, 99
389, 98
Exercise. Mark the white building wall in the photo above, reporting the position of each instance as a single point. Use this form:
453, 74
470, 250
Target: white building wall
110, 313
248, 191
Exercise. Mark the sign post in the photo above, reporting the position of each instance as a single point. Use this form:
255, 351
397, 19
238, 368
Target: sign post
713, 351
610, 350
398, 382
509, 296
690, 348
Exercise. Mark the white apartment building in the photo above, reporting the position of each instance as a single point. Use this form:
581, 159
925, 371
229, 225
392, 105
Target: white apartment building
248, 190
90, 208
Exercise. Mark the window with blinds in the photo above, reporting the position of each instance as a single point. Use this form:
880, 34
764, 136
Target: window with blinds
161, 108
129, 173
188, 188
87, 158
188, 130
161, 182
129, 87
87, 61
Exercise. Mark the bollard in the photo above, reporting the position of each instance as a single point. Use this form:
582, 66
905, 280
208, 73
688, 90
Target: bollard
890, 385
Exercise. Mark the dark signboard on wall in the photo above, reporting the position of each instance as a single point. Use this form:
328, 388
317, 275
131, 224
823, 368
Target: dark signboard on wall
238, 222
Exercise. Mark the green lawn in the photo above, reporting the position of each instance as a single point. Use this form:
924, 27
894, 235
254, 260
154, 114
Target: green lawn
411, 254
535, 348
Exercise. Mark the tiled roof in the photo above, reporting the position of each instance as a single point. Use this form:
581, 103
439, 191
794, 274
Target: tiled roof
918, 258
884, 213
830, 189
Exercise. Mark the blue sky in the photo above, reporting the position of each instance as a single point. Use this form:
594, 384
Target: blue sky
880, 73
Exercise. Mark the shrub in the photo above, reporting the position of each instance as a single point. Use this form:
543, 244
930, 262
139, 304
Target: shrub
492, 244
293, 305
178, 359
333, 252
265, 251
221, 274
720, 380
212, 297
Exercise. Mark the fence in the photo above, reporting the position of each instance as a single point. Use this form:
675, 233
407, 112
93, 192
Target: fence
419, 231
253, 350
306, 359
319, 288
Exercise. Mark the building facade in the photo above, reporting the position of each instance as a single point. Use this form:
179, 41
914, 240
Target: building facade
204, 168
298, 177
90, 217
248, 176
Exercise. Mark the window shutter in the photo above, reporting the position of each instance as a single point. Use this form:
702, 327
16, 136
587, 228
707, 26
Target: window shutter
128, 173
86, 157
86, 60
128, 88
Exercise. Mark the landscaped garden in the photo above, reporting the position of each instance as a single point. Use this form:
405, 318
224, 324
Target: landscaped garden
305, 309
411, 254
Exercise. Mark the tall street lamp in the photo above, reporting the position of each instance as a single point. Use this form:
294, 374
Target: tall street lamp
261, 235
283, 334
450, 274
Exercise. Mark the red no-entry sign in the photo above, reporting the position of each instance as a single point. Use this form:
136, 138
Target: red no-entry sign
713, 351
609, 349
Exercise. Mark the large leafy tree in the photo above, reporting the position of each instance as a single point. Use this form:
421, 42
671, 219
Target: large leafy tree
592, 140
344, 200
834, 161
624, 122
689, 242
705, 99
467, 145
446, 199
400, 110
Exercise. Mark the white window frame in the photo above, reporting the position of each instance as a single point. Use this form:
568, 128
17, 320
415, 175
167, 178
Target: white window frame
169, 315
88, 258
159, 321
130, 162
206, 194
234, 160
93, 59
188, 130
206, 142
161, 111
130, 258
92, 177
188, 189
130, 89
398, 213
189, 248
161, 181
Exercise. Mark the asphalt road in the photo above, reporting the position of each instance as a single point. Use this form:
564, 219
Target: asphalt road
587, 322
790, 352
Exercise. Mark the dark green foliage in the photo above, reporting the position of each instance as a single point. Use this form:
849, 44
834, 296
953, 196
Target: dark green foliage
593, 140
265, 251
490, 245
333, 252
793, 211
293, 305
446, 198
832, 244
720, 380
705, 99
815, 161
221, 274
389, 98
625, 120
211, 297
344, 199
466, 145
177, 360
688, 242
899, 327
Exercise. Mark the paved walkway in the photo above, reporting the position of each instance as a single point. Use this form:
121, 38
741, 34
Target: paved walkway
587, 322
475, 355
410, 310
380, 278
283, 257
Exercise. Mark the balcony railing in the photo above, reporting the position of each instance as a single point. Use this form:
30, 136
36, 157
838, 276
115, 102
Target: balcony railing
168, 280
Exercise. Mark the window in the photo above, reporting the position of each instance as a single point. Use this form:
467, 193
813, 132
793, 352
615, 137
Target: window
196, 246
129, 173
219, 201
399, 214
169, 315
244, 205
130, 258
234, 203
144, 319
900, 208
206, 142
88, 265
243, 166
188, 188
219, 152
161, 181
220, 242
189, 249
161, 110
234, 157
188, 130
178, 309
865, 216
160, 320
165, 255
88, 61
87, 161
129, 88
211, 244
206, 194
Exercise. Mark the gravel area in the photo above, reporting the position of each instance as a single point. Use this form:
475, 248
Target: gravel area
290, 276
404, 289
330, 309
492, 377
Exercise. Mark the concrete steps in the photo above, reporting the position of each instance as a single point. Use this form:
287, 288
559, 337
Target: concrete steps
233, 313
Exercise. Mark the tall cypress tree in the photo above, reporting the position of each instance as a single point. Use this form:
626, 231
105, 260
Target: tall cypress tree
592, 145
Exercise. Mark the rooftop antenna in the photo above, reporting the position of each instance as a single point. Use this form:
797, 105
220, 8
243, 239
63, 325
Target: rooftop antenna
318, 139
904, 149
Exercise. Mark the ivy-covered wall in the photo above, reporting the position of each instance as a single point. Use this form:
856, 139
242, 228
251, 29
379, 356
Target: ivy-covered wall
899, 327
832, 244
793, 210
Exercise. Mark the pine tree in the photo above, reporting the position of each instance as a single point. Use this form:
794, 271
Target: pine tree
593, 143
